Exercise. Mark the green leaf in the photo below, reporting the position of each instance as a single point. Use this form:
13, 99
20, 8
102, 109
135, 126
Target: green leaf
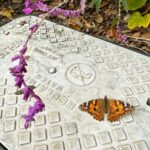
133, 4
137, 20
125, 4
114, 22
146, 21
95, 3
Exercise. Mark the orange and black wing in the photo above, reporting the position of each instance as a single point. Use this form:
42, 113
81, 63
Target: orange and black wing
117, 108
94, 108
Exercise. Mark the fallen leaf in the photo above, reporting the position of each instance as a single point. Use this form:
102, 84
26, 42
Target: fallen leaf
88, 24
137, 20
98, 18
145, 35
75, 23
6, 12
136, 34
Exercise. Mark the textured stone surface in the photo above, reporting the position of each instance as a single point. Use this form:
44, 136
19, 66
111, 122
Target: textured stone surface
68, 68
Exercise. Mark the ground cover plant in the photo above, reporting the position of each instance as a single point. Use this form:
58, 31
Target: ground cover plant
99, 19
125, 21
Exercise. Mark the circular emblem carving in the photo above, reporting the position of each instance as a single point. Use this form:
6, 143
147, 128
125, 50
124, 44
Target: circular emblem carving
81, 74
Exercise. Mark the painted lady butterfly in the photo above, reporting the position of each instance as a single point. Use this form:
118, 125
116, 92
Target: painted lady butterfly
114, 108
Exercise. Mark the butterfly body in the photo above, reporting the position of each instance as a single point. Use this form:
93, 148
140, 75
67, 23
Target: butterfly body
114, 108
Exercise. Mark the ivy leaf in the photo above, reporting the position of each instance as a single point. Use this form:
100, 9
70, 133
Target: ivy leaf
6, 12
137, 20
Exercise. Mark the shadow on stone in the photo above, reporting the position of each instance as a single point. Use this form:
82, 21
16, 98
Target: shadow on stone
148, 101
2, 147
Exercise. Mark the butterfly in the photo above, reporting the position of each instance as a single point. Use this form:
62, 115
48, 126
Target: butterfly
115, 109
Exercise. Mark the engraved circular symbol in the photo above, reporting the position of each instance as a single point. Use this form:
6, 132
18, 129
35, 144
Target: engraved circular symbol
81, 74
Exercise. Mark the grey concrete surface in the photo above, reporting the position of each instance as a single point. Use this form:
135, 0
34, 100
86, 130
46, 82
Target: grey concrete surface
69, 68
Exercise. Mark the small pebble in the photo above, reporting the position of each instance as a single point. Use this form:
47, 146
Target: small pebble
52, 70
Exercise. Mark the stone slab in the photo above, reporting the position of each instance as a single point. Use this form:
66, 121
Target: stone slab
68, 68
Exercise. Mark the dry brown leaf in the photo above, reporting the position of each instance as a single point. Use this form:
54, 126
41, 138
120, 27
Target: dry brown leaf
110, 12
88, 24
145, 35
112, 33
17, 1
6, 12
55, 3
75, 23
136, 34
98, 18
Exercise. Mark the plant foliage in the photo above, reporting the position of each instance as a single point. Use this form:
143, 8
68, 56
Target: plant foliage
137, 20
95, 3
133, 4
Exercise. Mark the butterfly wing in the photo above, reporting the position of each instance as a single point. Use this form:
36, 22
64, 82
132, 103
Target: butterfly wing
117, 109
94, 108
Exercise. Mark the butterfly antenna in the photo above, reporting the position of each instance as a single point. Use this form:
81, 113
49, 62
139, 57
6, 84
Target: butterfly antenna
105, 98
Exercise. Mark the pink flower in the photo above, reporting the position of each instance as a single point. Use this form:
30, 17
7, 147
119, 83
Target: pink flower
15, 57
27, 10
18, 69
41, 6
23, 50
82, 6
122, 37
39, 104
33, 110
29, 117
23, 61
27, 3
34, 28
19, 80
27, 92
